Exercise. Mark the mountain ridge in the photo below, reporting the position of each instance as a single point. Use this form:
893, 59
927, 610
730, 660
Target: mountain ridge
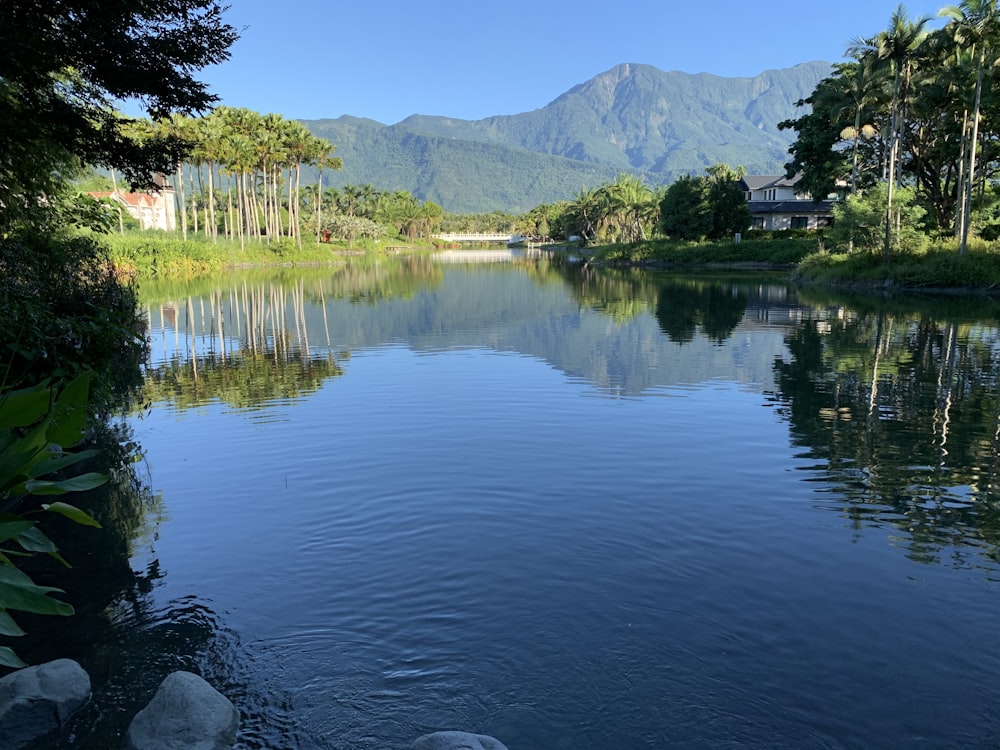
631, 118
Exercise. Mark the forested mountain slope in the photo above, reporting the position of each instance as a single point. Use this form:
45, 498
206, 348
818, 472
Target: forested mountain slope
632, 118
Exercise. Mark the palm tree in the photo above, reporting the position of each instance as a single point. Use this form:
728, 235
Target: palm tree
976, 24
208, 148
588, 213
893, 50
629, 207
860, 89
178, 127
323, 156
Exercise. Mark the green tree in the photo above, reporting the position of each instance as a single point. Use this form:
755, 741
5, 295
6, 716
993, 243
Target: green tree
976, 24
64, 65
726, 202
684, 211
713, 206
859, 221
895, 50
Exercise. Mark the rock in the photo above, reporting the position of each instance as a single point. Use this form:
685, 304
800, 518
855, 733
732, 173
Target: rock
185, 714
36, 700
457, 741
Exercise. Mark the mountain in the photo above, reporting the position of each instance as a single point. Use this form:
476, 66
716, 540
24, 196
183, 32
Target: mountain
632, 118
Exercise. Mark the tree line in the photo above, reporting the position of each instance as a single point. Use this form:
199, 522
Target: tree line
242, 178
912, 118
695, 207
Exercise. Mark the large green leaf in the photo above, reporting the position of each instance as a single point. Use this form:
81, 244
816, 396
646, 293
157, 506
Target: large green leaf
19, 592
8, 627
76, 391
72, 513
12, 527
61, 461
9, 659
24, 407
14, 466
69, 416
74, 484
33, 540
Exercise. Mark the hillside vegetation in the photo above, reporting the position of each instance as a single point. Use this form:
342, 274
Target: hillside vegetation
633, 118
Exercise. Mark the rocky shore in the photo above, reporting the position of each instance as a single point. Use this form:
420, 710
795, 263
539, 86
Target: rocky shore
186, 713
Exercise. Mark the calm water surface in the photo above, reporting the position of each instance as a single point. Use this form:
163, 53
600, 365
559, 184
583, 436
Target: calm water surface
566, 508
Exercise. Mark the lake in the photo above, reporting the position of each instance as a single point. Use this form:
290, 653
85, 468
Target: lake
566, 507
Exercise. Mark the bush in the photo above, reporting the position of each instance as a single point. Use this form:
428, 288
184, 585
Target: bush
65, 311
860, 222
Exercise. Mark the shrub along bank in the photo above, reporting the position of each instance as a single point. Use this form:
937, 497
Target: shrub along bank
934, 266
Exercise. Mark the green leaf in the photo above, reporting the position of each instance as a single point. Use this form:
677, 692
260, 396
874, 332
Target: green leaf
74, 484
19, 592
66, 425
9, 659
72, 513
34, 540
69, 414
55, 464
24, 407
13, 468
75, 392
8, 626
12, 527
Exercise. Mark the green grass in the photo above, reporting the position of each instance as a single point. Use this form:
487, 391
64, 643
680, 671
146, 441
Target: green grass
940, 267
777, 252
167, 254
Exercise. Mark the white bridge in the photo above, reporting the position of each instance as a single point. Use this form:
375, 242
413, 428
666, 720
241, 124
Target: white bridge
473, 237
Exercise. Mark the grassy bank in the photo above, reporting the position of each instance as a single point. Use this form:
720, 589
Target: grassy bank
153, 253
939, 267
773, 252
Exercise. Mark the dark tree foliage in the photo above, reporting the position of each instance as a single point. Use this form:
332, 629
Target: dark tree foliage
64, 64
694, 208
62, 312
730, 213
814, 153
684, 211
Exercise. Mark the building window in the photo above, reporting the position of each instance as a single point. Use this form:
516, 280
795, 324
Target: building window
758, 222
800, 222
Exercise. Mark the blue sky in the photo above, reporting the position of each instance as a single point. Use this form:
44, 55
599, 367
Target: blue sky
386, 60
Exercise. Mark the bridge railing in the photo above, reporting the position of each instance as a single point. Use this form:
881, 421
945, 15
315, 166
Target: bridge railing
472, 237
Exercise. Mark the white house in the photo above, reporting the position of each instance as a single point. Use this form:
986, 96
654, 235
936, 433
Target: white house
151, 210
776, 204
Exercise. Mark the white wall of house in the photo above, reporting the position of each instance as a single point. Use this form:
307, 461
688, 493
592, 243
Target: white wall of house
779, 193
151, 210
777, 222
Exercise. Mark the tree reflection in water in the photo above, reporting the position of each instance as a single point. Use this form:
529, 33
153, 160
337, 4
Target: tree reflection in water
900, 410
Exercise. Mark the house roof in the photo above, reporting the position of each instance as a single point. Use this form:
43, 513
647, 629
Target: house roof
763, 181
799, 207
131, 199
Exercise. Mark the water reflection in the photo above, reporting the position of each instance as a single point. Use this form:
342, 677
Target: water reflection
900, 411
295, 332
476, 533
895, 401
